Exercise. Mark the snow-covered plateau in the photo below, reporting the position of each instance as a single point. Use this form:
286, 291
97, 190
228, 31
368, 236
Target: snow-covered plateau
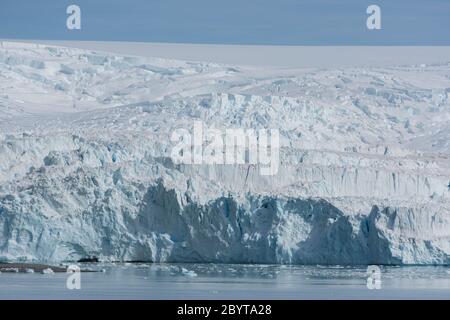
86, 168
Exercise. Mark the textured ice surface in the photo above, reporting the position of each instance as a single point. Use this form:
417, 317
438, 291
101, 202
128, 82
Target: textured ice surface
85, 166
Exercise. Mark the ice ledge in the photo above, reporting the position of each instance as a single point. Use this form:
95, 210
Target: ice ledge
170, 227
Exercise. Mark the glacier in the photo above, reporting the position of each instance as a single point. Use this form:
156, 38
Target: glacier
85, 166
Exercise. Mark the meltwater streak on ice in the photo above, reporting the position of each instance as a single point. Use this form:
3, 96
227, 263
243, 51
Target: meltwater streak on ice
85, 166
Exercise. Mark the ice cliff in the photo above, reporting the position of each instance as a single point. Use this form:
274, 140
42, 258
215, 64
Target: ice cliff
85, 166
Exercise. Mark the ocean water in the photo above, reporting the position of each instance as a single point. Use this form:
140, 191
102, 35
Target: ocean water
225, 281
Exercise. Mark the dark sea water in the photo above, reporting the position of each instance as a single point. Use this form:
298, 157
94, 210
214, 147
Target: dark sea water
214, 281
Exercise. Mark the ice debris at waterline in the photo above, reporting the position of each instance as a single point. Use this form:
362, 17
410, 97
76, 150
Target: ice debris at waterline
86, 168
29, 268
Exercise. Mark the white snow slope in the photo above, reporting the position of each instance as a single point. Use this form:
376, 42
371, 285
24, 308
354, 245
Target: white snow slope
85, 167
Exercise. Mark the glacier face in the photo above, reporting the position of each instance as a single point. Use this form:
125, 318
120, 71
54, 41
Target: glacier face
85, 167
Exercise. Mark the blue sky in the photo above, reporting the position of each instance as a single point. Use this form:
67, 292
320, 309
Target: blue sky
270, 22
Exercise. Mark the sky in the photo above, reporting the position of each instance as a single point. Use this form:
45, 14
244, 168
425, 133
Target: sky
251, 22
